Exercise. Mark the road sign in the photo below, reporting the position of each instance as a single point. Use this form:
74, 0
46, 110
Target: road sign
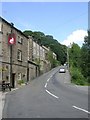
11, 39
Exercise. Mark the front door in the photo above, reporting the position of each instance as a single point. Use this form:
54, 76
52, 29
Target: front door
27, 74
13, 80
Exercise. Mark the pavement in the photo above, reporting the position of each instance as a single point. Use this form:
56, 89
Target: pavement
0, 105
2, 99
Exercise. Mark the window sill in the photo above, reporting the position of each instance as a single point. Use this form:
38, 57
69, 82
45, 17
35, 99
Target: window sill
20, 42
19, 60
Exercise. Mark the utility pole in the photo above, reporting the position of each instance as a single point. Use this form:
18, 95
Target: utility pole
39, 58
68, 57
11, 56
68, 47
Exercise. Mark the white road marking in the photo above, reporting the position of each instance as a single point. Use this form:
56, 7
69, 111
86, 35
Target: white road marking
65, 82
45, 85
52, 94
82, 109
48, 80
51, 76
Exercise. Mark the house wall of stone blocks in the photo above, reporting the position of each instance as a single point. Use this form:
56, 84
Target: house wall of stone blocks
33, 71
0, 54
30, 48
19, 66
39, 54
25, 56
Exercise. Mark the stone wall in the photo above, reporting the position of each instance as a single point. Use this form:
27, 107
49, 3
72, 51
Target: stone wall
18, 66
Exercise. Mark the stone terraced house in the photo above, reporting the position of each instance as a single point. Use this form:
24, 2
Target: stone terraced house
18, 66
21, 58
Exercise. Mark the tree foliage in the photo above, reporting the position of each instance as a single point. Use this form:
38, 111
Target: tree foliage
85, 55
79, 58
80, 61
75, 65
49, 41
74, 54
53, 61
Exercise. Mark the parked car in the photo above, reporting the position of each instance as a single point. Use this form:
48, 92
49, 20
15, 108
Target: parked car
62, 70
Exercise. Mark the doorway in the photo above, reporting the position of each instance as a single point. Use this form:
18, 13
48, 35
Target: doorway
13, 80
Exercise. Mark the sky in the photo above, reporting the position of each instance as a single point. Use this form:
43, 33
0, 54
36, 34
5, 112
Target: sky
67, 22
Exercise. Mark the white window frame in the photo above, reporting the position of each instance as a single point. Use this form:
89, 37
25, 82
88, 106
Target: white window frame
19, 76
19, 55
20, 40
0, 26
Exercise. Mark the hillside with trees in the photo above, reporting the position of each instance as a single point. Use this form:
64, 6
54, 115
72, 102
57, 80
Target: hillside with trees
49, 41
85, 57
79, 59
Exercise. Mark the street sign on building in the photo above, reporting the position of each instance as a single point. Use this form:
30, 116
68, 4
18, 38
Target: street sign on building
11, 39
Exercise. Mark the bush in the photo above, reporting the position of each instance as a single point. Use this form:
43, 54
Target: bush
76, 76
20, 82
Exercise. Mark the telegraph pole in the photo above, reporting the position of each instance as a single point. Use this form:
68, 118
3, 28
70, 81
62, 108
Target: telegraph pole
11, 55
39, 54
68, 57
68, 47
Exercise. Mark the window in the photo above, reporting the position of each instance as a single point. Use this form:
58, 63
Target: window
20, 40
0, 26
19, 76
19, 55
46, 56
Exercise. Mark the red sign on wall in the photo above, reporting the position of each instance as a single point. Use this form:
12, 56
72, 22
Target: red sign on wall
11, 39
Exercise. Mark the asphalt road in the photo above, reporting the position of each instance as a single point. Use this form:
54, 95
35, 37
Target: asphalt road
49, 96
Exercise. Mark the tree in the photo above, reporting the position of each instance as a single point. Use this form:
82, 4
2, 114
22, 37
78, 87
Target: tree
53, 62
49, 41
85, 55
28, 32
75, 65
75, 55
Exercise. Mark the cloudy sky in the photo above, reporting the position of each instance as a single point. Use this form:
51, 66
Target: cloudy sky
65, 21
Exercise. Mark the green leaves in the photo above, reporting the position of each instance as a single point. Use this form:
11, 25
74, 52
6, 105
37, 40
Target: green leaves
74, 54
80, 62
77, 76
49, 41
85, 55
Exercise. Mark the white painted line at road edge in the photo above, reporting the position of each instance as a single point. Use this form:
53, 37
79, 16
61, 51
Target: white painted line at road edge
45, 85
82, 109
52, 94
